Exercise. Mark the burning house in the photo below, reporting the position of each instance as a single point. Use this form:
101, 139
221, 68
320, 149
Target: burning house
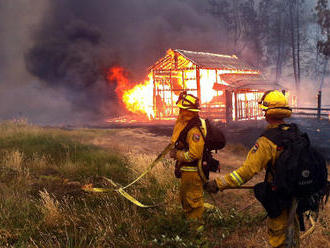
228, 88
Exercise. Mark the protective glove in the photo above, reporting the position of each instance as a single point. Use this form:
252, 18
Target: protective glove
211, 187
173, 153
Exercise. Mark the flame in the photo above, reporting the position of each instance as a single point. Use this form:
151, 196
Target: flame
140, 98
136, 97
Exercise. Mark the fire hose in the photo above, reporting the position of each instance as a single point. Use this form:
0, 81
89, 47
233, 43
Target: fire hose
120, 189
311, 229
167, 149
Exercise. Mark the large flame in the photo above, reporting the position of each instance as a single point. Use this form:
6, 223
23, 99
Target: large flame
136, 97
155, 97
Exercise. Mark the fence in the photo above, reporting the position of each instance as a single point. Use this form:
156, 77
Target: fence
312, 112
318, 112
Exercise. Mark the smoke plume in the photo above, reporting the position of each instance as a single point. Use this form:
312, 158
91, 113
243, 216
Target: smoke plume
55, 54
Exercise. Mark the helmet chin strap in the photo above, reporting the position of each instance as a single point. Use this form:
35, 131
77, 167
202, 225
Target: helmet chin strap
287, 108
271, 120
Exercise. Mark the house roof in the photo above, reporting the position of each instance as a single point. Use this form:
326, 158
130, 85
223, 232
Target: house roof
215, 61
250, 81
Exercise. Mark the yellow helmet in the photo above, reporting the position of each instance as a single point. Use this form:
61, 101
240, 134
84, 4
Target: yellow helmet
188, 102
274, 103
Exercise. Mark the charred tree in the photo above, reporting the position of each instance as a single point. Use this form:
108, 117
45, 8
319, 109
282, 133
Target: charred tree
240, 19
280, 41
298, 42
323, 19
323, 45
275, 34
293, 42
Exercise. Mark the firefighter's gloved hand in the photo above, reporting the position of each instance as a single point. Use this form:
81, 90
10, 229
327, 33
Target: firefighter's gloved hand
211, 187
173, 153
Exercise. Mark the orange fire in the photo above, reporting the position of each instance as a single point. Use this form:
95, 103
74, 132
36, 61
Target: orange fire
136, 97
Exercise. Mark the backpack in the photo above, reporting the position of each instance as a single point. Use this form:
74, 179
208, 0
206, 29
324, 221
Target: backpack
214, 140
299, 172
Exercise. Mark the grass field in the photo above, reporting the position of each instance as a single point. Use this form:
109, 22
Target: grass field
42, 171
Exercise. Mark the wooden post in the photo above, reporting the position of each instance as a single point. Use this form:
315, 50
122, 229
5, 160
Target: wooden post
229, 105
198, 84
235, 94
176, 62
319, 95
171, 86
154, 93
163, 84
216, 76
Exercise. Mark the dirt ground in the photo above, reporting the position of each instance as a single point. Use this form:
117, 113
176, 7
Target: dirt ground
150, 140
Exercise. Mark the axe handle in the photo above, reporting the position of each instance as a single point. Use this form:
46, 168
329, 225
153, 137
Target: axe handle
290, 236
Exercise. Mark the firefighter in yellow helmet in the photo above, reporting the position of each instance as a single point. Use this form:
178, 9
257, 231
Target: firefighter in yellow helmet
188, 154
263, 153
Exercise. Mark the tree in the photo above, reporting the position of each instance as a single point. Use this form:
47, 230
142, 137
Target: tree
323, 19
240, 19
275, 33
294, 7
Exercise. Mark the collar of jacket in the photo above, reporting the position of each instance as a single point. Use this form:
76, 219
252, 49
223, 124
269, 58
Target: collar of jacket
274, 125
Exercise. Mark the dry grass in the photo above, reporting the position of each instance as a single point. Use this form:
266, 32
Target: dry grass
50, 208
42, 204
13, 160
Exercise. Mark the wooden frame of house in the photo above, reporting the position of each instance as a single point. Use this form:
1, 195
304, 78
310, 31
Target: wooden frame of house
228, 88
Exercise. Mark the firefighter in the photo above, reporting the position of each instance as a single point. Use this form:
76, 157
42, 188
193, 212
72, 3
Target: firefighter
188, 156
263, 153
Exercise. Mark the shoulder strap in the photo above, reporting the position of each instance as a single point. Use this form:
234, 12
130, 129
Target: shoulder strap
204, 131
281, 134
274, 135
194, 122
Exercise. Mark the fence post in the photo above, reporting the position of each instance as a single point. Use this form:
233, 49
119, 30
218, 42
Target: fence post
319, 104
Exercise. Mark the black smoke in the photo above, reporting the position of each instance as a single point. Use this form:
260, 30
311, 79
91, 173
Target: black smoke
78, 40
